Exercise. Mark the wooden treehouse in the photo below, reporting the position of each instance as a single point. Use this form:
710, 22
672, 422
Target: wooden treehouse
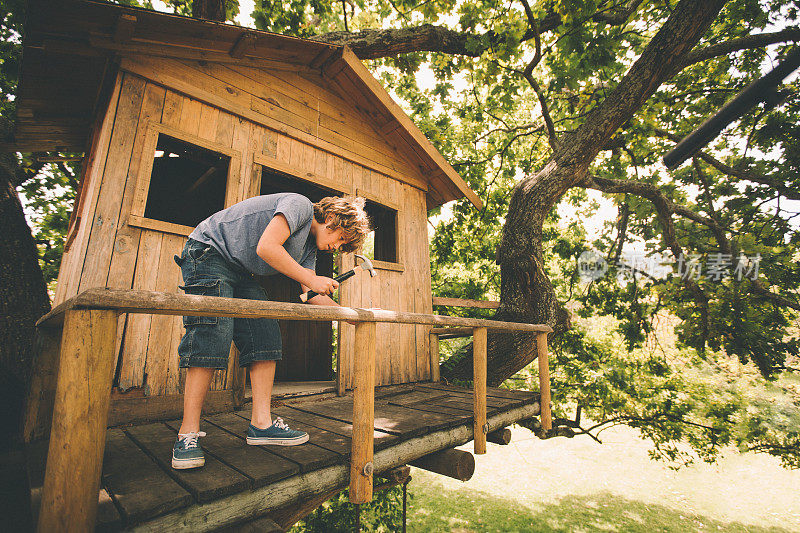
177, 119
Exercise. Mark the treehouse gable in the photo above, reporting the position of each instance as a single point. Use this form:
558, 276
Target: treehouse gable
300, 103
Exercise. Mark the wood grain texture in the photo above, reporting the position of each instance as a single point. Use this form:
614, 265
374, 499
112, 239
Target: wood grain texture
161, 365
210, 90
544, 381
127, 469
434, 353
363, 415
72, 479
107, 211
479, 347
137, 333
41, 394
462, 302
91, 180
213, 481
130, 301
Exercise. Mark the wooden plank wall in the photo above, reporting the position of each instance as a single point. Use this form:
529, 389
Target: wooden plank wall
108, 252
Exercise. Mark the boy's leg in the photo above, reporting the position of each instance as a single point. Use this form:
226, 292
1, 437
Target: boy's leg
262, 375
198, 381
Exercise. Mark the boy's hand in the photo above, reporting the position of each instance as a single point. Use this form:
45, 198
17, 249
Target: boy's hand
323, 285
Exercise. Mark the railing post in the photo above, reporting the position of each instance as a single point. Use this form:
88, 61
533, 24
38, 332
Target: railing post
80, 413
479, 346
434, 353
544, 382
363, 413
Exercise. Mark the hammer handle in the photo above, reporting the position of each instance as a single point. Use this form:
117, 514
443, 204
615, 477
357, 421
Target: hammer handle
310, 294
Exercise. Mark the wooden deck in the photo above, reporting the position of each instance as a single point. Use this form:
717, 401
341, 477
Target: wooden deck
140, 490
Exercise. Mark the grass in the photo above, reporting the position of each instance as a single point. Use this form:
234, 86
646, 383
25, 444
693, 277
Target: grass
466, 511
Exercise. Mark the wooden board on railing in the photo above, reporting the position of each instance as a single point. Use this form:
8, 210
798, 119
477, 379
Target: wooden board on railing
130, 301
463, 302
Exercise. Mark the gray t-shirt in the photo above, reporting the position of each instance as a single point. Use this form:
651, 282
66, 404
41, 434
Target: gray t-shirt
235, 231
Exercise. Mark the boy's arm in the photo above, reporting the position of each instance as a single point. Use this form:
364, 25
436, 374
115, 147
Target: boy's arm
270, 249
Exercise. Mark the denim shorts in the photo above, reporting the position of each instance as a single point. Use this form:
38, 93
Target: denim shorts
207, 341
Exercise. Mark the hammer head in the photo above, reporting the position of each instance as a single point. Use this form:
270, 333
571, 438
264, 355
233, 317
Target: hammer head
367, 264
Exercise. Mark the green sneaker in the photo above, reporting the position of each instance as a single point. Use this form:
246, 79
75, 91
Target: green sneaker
187, 453
278, 433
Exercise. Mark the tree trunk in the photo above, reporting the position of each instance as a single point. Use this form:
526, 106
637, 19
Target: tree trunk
209, 10
23, 299
526, 294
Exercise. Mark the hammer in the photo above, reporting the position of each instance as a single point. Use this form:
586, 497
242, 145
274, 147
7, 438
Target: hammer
366, 264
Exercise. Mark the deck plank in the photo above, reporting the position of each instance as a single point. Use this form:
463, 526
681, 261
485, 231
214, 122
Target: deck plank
491, 401
321, 437
425, 395
388, 418
459, 412
108, 516
212, 481
493, 392
126, 469
393, 390
307, 456
260, 466
381, 438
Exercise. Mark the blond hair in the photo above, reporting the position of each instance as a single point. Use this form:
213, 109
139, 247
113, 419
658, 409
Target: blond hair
347, 213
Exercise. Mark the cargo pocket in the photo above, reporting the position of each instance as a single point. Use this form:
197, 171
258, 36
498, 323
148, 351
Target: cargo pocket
201, 287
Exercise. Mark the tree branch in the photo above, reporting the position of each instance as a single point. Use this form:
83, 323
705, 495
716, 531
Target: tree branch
528, 74
790, 192
674, 40
373, 44
665, 208
734, 45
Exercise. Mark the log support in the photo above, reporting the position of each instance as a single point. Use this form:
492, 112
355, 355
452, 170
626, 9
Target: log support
361, 467
500, 436
288, 516
453, 463
80, 412
479, 347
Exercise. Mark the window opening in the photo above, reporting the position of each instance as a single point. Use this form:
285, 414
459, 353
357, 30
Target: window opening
273, 182
383, 238
187, 184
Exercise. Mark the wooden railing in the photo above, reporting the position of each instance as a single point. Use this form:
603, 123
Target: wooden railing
86, 366
452, 333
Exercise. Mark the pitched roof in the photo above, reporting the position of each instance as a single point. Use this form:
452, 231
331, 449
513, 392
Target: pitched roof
71, 48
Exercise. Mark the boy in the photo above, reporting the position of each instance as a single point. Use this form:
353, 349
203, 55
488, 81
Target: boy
265, 235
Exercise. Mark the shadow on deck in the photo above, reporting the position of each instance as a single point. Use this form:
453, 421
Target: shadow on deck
139, 489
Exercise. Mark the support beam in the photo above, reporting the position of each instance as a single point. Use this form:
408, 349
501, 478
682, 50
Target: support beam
453, 463
544, 381
434, 349
80, 412
286, 517
500, 436
44, 380
361, 467
479, 347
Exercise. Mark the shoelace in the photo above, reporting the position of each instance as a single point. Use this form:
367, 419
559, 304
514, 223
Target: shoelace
279, 423
190, 439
